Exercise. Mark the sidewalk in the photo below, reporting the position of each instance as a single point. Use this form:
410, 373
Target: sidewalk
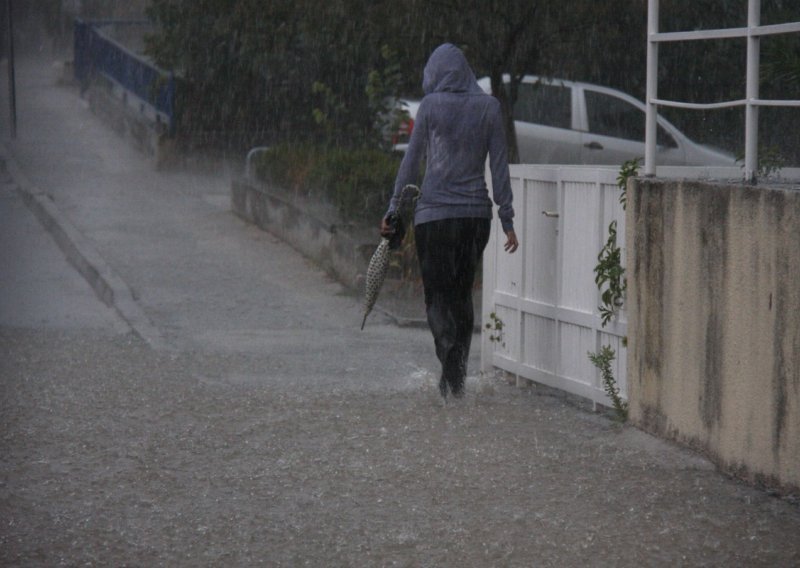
61, 152
253, 423
142, 199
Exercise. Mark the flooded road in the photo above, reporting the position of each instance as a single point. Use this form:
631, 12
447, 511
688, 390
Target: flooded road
116, 454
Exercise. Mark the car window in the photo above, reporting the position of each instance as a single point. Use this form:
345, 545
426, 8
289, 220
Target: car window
612, 116
549, 105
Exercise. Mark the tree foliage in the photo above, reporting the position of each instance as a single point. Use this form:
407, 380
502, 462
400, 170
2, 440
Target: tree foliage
256, 72
228, 54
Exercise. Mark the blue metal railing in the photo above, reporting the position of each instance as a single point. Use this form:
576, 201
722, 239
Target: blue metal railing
98, 54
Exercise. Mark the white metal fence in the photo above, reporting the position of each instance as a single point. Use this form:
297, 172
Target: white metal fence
545, 294
753, 32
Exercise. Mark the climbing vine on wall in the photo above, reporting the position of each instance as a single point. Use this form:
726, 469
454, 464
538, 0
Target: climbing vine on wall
610, 274
602, 360
610, 279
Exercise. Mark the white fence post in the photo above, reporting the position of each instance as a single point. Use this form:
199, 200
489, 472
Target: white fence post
751, 109
652, 89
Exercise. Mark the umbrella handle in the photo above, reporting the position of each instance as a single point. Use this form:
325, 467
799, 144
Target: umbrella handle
409, 187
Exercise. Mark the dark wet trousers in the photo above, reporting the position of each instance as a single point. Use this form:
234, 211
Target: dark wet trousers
449, 252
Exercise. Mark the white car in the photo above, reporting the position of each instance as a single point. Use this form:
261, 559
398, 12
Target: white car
567, 122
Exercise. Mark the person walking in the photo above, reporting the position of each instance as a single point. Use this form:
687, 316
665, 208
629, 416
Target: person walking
456, 127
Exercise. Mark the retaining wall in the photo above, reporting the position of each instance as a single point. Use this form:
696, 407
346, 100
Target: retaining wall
714, 322
132, 119
344, 253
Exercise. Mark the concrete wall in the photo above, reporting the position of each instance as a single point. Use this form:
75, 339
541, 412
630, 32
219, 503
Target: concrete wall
338, 251
714, 322
132, 120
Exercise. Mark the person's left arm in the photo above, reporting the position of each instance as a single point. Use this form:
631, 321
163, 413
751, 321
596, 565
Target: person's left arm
501, 179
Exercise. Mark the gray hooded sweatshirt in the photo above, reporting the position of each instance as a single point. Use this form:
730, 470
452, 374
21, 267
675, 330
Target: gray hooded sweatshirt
457, 125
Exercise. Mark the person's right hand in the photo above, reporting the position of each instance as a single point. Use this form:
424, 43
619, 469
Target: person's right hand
386, 230
511, 243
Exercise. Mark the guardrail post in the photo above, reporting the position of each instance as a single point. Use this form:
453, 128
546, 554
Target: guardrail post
651, 123
751, 109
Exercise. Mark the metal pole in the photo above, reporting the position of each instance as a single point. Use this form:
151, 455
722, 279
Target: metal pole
651, 123
751, 110
12, 91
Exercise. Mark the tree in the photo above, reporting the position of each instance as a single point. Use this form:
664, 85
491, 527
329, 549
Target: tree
253, 72
236, 65
256, 72
262, 69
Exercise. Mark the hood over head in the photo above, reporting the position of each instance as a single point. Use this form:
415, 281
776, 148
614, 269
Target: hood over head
447, 71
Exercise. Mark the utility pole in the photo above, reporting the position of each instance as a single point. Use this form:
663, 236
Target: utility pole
12, 91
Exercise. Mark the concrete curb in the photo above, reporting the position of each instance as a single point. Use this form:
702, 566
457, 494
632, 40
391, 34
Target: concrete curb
81, 254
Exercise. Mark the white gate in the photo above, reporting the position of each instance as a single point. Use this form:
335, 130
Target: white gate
545, 294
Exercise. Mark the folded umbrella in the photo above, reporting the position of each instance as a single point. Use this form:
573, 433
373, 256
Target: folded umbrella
379, 263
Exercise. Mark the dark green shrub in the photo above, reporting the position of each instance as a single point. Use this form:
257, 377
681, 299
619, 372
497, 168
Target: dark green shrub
358, 182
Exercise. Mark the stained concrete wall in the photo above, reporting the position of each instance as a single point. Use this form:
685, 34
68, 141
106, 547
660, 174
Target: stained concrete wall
344, 253
714, 322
